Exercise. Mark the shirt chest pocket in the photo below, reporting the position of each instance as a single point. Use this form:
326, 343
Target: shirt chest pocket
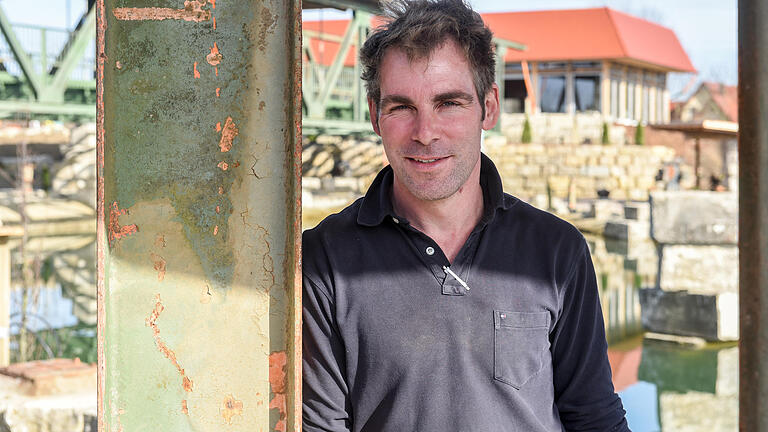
521, 344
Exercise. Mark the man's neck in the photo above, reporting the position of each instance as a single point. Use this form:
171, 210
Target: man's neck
449, 221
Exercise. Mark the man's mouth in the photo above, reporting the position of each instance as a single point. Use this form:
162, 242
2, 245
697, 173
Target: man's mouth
425, 160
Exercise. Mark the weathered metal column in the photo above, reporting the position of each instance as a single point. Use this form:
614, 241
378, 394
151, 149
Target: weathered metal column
199, 161
753, 215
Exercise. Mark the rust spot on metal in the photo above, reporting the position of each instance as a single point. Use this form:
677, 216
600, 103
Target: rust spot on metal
228, 135
159, 265
160, 241
236, 164
214, 58
221, 190
214, 23
218, 127
223, 165
118, 64
151, 321
230, 407
195, 72
213, 4
215, 230
193, 11
216, 71
277, 375
218, 91
116, 231
262, 104
184, 407
218, 209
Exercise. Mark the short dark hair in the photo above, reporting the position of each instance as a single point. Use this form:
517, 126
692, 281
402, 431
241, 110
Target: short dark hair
418, 27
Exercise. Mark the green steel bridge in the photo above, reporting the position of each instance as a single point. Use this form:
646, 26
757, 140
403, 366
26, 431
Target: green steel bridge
48, 73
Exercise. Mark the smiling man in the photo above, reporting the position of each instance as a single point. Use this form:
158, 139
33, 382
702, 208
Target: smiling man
437, 302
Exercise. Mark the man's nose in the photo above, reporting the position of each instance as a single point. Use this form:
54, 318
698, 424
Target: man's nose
425, 129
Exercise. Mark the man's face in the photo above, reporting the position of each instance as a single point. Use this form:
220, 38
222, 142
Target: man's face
430, 121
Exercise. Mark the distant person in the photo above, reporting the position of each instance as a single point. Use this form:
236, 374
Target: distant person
437, 302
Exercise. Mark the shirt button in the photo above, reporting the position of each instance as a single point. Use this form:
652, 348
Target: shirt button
395, 220
430, 250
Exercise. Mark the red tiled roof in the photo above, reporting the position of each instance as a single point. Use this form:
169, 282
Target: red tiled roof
325, 51
562, 35
589, 34
726, 98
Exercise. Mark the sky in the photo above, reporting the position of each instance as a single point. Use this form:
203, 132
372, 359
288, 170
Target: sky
707, 29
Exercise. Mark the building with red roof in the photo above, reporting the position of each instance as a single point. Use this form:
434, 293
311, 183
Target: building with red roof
710, 101
596, 61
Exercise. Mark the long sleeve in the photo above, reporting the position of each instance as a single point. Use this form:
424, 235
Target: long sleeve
326, 404
584, 392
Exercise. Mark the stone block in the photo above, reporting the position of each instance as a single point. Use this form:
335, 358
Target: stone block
712, 317
603, 209
607, 160
529, 170
700, 269
535, 184
311, 183
596, 171
626, 230
575, 160
559, 184
636, 194
694, 217
623, 160
639, 211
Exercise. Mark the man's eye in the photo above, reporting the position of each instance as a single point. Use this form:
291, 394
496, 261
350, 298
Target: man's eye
449, 104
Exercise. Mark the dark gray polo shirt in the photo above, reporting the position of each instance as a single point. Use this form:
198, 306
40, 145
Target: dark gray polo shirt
394, 343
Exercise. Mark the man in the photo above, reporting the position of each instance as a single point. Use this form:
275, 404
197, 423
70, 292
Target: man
437, 302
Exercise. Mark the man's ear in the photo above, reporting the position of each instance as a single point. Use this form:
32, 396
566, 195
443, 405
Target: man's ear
492, 107
372, 110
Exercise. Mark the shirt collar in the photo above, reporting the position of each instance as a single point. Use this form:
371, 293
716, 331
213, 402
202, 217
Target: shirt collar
377, 204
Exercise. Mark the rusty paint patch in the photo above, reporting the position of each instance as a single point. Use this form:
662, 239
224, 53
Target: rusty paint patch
277, 363
262, 104
218, 91
216, 71
230, 407
221, 190
218, 209
118, 65
193, 11
215, 230
214, 23
116, 231
184, 407
214, 58
195, 72
151, 321
228, 135
223, 165
159, 265
213, 4
218, 126
160, 241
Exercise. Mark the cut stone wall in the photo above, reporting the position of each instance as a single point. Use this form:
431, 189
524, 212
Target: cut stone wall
627, 172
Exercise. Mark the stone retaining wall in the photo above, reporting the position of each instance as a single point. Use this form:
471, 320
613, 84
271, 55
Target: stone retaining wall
627, 172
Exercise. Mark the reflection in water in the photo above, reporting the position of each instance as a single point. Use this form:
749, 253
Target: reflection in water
664, 387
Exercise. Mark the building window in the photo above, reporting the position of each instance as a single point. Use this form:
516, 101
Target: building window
660, 104
587, 92
614, 98
631, 100
514, 96
646, 103
552, 91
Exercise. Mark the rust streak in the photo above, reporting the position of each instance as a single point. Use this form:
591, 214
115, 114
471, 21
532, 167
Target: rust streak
195, 72
215, 230
216, 71
218, 91
228, 135
218, 209
230, 407
277, 375
213, 4
184, 407
186, 383
223, 165
116, 231
214, 23
159, 265
221, 190
160, 241
214, 58
218, 127
192, 12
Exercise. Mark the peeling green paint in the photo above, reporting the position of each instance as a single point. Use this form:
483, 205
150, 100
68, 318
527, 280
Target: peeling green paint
199, 297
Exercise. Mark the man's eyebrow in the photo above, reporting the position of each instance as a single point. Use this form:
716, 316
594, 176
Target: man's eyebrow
453, 95
395, 99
